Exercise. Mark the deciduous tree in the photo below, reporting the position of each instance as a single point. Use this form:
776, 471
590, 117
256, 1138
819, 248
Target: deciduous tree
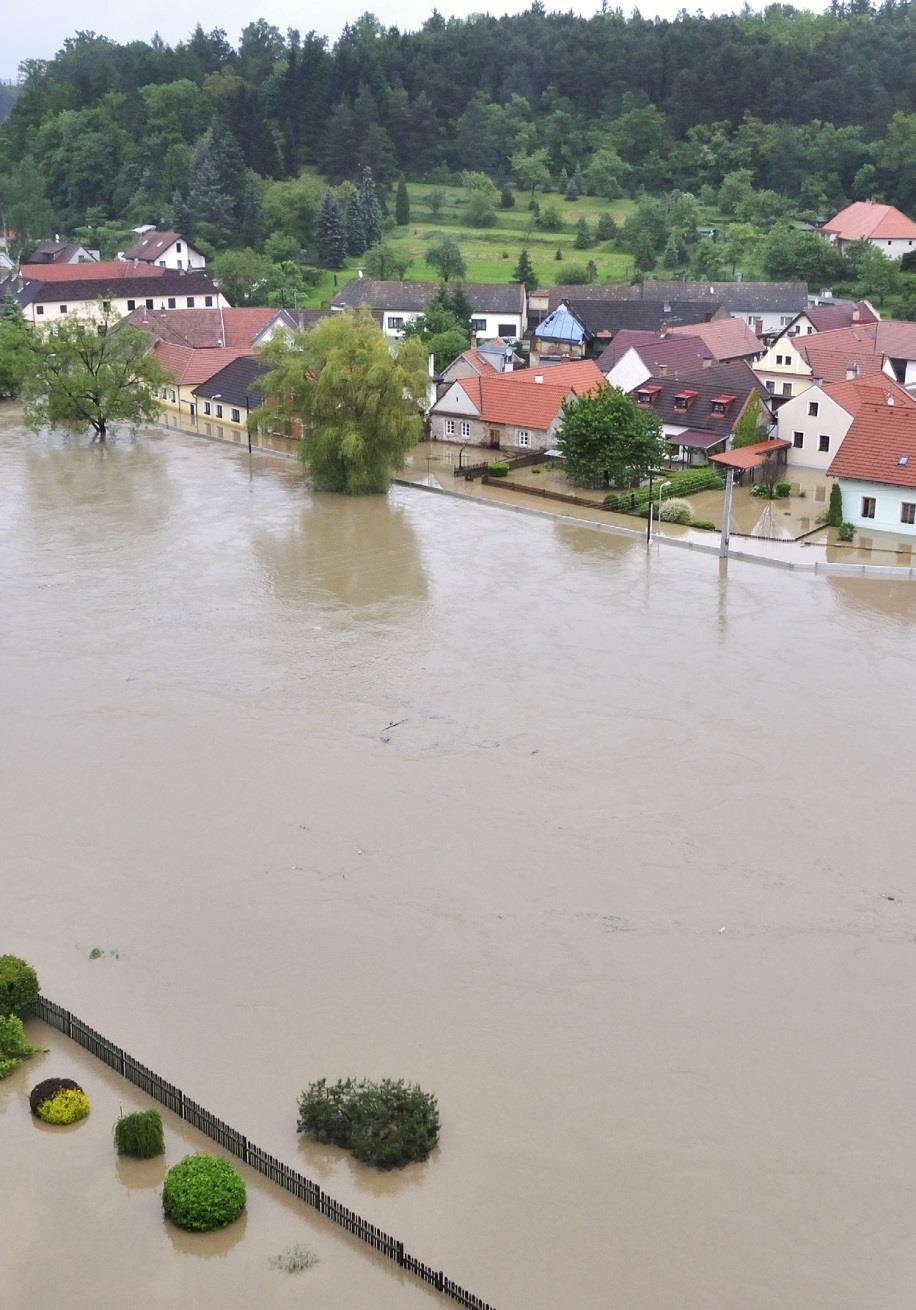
605, 438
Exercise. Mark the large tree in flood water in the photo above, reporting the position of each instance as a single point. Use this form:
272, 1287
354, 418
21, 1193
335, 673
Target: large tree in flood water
88, 374
605, 437
357, 394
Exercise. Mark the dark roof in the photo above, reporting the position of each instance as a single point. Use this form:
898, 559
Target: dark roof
412, 297
680, 354
54, 252
236, 384
306, 318
736, 379
609, 316
151, 245
824, 318
168, 283
778, 297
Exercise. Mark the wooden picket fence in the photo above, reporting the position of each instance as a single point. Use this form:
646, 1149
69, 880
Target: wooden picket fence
167, 1094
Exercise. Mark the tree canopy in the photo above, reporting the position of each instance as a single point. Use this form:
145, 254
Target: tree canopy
606, 439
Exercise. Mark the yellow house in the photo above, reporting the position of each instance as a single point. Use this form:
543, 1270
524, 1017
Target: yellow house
189, 368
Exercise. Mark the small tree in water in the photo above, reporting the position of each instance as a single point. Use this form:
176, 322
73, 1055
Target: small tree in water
90, 374
357, 395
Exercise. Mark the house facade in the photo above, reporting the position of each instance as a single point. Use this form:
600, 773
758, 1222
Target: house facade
187, 369
518, 411
699, 410
876, 470
48, 302
230, 395
496, 310
815, 423
766, 307
882, 226
164, 249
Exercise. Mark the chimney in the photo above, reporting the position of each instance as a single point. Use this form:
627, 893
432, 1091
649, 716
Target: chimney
666, 307
856, 315
852, 372
539, 377
707, 361
663, 370
663, 330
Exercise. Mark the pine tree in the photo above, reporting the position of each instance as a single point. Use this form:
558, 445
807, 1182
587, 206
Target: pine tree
835, 508
583, 235
563, 181
332, 235
372, 210
355, 220
402, 204
574, 186
524, 272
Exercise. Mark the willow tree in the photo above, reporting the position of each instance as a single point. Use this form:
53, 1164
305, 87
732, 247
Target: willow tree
357, 395
90, 373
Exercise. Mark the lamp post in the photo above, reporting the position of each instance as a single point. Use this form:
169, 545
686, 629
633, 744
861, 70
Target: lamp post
661, 489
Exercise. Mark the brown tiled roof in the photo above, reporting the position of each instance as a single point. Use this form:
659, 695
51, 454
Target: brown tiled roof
151, 245
582, 374
825, 318
724, 338
866, 220
677, 354
879, 437
203, 328
735, 379
188, 366
748, 457
113, 270
875, 390
499, 398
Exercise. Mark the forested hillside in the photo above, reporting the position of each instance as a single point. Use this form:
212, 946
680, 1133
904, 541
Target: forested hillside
814, 109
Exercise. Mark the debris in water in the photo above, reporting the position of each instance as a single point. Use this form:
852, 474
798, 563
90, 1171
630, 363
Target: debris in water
395, 723
721, 930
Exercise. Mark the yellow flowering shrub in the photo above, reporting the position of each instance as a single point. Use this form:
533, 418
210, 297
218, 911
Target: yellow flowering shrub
65, 1107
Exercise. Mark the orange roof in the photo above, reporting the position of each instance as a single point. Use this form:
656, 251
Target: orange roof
724, 338
879, 438
748, 457
865, 220
108, 268
188, 366
875, 390
498, 401
582, 374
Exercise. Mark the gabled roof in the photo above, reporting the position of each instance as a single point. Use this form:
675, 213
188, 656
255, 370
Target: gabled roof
153, 245
600, 317
737, 297
159, 282
204, 328
877, 389
501, 398
187, 366
864, 346
413, 297
724, 338
825, 318
580, 374
671, 354
879, 437
55, 252
864, 220
113, 270
236, 383
561, 325
735, 379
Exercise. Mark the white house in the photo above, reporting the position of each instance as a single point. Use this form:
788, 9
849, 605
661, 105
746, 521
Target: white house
165, 249
497, 310
882, 226
876, 469
815, 422
45, 300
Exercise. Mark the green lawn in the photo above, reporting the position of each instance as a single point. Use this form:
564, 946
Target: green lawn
491, 253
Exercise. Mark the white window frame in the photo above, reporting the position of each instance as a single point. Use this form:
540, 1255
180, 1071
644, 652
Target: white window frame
523, 437
219, 411
236, 415
908, 512
395, 322
207, 409
449, 427
798, 440
813, 408
823, 443
465, 430
869, 501
478, 325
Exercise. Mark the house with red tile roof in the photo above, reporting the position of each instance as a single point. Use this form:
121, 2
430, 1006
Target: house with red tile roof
205, 329
188, 367
882, 226
632, 357
825, 318
165, 249
519, 411
792, 363
725, 339
876, 469
699, 410
815, 422
480, 361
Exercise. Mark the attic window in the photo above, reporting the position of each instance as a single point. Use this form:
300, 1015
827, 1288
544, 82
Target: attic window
722, 404
902, 461
684, 399
647, 395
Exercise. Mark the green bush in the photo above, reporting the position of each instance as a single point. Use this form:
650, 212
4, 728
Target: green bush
681, 482
835, 507
13, 1046
49, 1087
704, 525
675, 511
387, 1124
761, 491
497, 470
845, 532
203, 1192
18, 986
64, 1107
140, 1134
783, 490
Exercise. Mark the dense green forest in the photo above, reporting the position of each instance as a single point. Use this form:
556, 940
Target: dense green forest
760, 116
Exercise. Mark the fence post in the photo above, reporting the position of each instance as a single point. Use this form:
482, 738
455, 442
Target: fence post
440, 1280
245, 1149
400, 1254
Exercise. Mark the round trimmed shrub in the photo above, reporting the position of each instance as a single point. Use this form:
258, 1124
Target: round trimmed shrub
140, 1134
49, 1087
64, 1107
18, 986
675, 511
387, 1124
203, 1192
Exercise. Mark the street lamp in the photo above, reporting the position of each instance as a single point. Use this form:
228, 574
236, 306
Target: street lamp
661, 488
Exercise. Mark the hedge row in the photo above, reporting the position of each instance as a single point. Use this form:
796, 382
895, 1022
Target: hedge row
683, 482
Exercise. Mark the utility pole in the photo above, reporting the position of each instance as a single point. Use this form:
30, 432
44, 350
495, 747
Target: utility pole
727, 514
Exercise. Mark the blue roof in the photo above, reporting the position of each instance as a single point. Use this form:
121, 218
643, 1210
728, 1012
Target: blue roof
561, 325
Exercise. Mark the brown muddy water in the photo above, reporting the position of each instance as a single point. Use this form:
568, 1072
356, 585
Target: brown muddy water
630, 885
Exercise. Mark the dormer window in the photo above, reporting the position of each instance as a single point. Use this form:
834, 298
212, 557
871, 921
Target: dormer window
720, 405
684, 399
647, 395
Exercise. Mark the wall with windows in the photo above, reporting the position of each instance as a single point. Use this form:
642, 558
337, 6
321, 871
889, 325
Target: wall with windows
180, 255
814, 425
485, 327
53, 312
782, 370
879, 507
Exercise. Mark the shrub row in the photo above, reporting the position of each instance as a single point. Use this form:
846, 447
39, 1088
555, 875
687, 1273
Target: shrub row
683, 482
387, 1124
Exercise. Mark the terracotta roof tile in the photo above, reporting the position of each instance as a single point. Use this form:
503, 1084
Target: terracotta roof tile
499, 398
582, 374
203, 328
724, 338
865, 220
113, 270
189, 367
878, 438
873, 390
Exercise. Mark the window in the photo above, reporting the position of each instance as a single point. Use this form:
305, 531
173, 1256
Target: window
131, 304
208, 301
178, 263
770, 385
908, 511
868, 507
172, 397
779, 359
479, 324
178, 246
162, 263
465, 430
149, 302
171, 302
647, 395
798, 440
785, 320
395, 322
106, 305
219, 411
787, 388
63, 309
507, 330
207, 409
684, 399
190, 302
823, 444
236, 416
523, 437
39, 309
813, 408
449, 427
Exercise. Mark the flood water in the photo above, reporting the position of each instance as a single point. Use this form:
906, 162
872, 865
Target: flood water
630, 885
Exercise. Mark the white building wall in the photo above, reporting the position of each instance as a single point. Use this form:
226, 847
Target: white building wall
185, 258
831, 422
888, 502
629, 372
493, 322
769, 321
53, 312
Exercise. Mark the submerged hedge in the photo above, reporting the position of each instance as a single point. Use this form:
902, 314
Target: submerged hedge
18, 986
203, 1192
387, 1124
